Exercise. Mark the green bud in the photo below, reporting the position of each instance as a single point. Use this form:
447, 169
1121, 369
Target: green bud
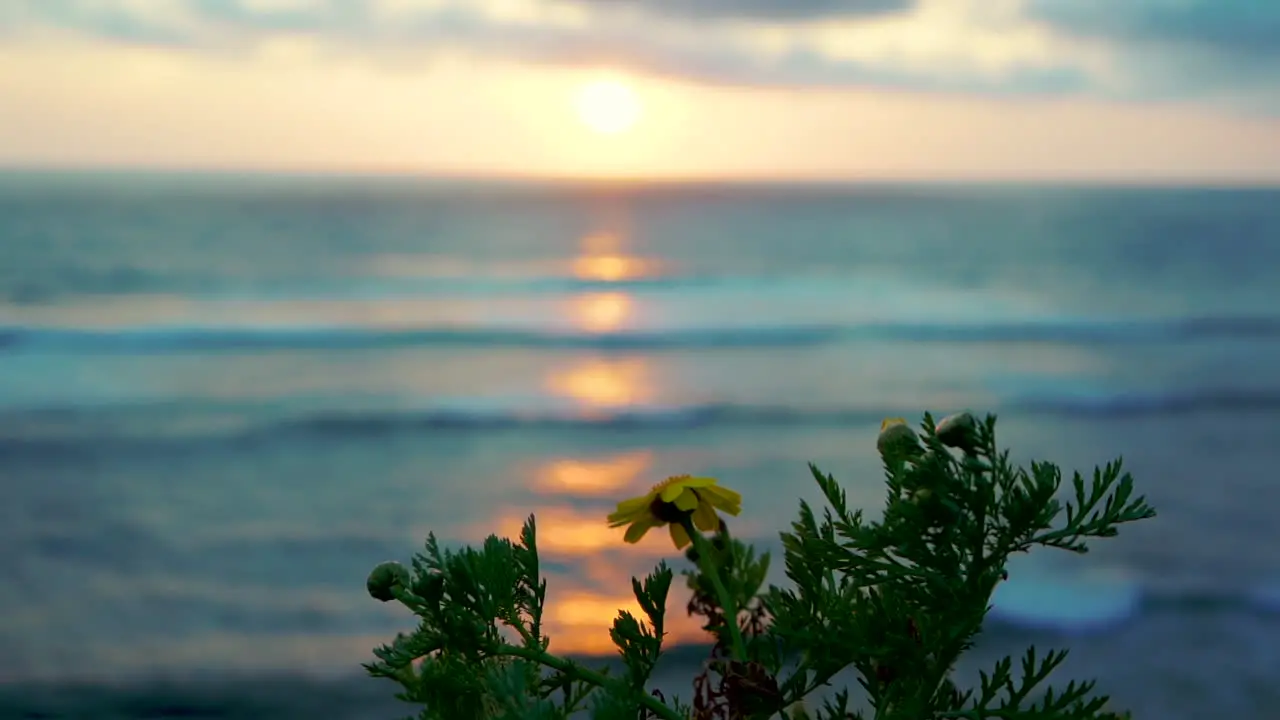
896, 437
385, 578
958, 431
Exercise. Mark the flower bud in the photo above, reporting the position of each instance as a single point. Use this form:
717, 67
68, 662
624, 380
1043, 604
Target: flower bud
385, 578
896, 436
958, 431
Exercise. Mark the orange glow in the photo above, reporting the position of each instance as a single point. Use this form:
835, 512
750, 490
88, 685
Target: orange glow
604, 384
563, 531
601, 477
578, 616
589, 609
583, 535
610, 268
580, 622
602, 312
576, 533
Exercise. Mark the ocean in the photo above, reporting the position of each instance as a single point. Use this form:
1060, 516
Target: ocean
224, 399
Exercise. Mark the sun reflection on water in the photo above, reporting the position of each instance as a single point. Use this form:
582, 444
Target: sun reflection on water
602, 312
604, 384
579, 622
583, 601
598, 477
564, 531
596, 566
588, 566
609, 268
603, 260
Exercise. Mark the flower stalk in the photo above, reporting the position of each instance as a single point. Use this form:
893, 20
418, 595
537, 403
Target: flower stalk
707, 563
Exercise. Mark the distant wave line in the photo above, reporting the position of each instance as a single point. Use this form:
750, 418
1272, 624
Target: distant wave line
733, 415
152, 339
1132, 602
375, 287
86, 426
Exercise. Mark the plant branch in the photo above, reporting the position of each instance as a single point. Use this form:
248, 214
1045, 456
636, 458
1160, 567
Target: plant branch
578, 672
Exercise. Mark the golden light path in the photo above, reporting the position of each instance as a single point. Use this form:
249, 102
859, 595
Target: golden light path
582, 605
603, 312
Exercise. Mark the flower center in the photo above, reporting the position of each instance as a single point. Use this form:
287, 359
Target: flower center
665, 511
668, 512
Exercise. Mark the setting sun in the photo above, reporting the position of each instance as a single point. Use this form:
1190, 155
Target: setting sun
607, 106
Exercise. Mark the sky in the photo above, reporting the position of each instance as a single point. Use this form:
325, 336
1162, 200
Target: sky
1110, 90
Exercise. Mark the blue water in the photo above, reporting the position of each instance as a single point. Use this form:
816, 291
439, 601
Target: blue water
223, 399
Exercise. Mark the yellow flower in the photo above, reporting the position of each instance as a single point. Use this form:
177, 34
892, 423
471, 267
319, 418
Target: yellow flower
671, 500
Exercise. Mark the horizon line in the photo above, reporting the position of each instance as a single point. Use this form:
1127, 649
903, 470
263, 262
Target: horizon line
483, 178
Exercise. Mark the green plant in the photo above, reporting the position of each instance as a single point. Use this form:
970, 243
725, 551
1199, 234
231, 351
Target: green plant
898, 599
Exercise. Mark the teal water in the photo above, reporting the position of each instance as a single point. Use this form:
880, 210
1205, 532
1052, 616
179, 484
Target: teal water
222, 400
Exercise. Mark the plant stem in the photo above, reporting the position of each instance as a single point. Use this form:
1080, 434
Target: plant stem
578, 672
707, 564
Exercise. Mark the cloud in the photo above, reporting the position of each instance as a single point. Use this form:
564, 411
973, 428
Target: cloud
124, 21
1248, 29
1137, 49
775, 10
1170, 49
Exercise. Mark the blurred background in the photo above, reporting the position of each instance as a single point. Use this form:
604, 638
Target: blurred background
286, 285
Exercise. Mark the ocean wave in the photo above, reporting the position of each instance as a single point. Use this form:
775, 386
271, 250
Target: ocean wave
118, 425
337, 689
152, 339
737, 415
474, 285
1089, 606
531, 279
1127, 404
656, 418
135, 281
203, 339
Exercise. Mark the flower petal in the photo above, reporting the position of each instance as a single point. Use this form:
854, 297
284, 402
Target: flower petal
673, 486
679, 536
628, 510
671, 490
704, 518
686, 500
639, 528
723, 498
631, 505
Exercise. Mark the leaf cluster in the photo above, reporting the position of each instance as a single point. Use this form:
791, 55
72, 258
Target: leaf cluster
901, 598
479, 652
898, 599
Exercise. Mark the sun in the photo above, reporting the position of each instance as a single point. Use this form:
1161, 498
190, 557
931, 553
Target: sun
607, 106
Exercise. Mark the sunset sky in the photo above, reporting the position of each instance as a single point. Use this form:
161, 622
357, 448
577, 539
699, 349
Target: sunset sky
930, 89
